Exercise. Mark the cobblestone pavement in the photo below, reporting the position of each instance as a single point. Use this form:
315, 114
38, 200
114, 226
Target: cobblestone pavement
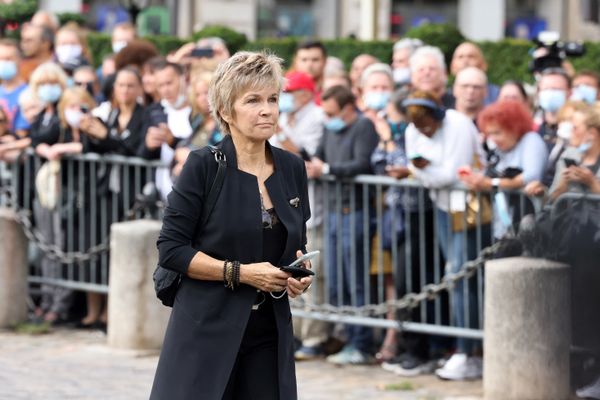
68, 364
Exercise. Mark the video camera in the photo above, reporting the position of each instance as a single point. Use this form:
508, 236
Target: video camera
550, 51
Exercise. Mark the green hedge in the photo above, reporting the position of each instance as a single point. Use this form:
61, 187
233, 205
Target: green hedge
507, 59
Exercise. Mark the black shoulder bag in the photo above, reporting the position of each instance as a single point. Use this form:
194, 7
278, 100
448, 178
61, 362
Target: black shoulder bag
166, 281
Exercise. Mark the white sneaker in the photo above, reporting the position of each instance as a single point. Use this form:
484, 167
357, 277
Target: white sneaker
460, 367
591, 391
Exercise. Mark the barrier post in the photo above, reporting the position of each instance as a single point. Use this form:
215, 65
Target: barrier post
136, 318
13, 270
527, 329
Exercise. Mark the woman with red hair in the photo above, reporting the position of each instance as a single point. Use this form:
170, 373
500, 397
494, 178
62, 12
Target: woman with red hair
519, 153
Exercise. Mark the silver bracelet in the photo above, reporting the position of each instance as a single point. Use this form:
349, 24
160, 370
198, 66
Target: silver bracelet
277, 298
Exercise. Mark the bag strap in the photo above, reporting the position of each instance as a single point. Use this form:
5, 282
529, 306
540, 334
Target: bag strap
215, 189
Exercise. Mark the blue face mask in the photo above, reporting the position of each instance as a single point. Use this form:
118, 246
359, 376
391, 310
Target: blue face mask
376, 100
49, 93
584, 147
8, 70
286, 103
552, 100
585, 93
335, 124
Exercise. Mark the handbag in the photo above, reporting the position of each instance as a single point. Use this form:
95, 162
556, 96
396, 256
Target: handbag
166, 281
478, 208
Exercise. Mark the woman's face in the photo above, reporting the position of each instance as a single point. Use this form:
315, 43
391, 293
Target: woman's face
256, 112
511, 92
201, 99
127, 88
148, 82
579, 129
67, 37
504, 139
592, 136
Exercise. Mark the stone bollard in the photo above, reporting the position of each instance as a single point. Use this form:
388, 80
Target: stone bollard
13, 270
136, 318
527, 329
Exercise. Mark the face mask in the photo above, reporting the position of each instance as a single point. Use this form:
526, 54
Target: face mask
401, 76
118, 46
335, 124
491, 145
73, 117
68, 53
286, 103
584, 93
564, 130
552, 100
8, 70
376, 100
49, 93
584, 147
178, 103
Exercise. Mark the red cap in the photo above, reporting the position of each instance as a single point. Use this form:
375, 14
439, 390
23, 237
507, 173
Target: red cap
298, 81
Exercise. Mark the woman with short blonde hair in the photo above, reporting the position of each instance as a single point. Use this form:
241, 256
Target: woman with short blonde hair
230, 333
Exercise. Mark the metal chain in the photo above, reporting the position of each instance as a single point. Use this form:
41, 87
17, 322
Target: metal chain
53, 251
409, 300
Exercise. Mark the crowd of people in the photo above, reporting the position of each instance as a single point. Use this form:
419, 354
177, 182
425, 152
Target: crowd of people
400, 119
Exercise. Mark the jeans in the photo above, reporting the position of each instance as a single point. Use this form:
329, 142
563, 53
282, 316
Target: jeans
346, 283
458, 248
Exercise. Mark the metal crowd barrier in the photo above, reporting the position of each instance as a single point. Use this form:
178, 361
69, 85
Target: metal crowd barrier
373, 276
70, 223
402, 286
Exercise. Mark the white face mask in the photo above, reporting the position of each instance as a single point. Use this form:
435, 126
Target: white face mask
68, 53
401, 76
564, 130
118, 46
73, 117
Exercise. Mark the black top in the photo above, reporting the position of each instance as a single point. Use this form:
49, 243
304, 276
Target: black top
274, 238
45, 129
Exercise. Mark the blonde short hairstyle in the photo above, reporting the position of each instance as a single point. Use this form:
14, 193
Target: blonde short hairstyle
47, 71
241, 72
77, 95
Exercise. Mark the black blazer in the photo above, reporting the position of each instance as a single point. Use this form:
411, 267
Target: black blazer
208, 321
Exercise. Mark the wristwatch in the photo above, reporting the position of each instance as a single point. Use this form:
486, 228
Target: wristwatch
495, 183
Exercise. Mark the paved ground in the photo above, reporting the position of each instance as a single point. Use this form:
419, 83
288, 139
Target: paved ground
69, 364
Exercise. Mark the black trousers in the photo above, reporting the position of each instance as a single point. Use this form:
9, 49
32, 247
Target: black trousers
254, 375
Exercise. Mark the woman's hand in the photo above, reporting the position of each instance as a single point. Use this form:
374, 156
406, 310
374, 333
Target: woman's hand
264, 276
93, 127
582, 175
397, 171
475, 181
295, 287
535, 188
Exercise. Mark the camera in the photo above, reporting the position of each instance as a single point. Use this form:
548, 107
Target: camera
202, 52
550, 51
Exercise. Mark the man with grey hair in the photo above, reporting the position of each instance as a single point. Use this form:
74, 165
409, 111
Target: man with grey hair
470, 91
403, 50
428, 73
